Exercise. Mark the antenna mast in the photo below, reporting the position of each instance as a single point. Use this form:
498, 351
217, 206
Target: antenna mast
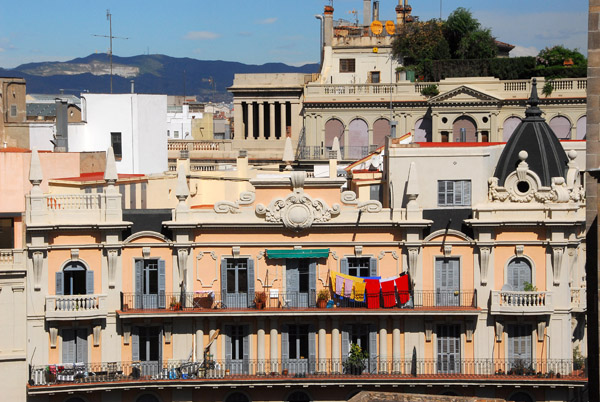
110, 51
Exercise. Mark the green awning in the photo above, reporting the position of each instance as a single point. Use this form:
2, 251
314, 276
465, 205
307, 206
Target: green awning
300, 253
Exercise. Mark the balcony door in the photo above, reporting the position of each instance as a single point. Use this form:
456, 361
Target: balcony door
237, 282
74, 279
237, 352
150, 284
448, 348
298, 348
147, 349
447, 282
519, 273
74, 345
300, 282
519, 346
365, 336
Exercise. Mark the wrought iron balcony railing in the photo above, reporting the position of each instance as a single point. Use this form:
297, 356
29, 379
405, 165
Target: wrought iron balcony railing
268, 370
272, 300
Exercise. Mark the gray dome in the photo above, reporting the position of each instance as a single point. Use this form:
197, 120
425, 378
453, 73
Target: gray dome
547, 158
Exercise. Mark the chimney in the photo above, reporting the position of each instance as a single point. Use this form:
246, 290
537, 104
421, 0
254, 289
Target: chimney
328, 26
132, 86
376, 10
61, 142
366, 12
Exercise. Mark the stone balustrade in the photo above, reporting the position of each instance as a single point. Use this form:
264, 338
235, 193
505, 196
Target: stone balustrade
76, 307
578, 299
57, 209
521, 302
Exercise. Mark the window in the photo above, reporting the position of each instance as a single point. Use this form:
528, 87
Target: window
376, 192
359, 266
74, 344
115, 143
236, 348
176, 134
74, 279
7, 235
347, 65
519, 272
150, 283
375, 77
448, 348
146, 348
298, 341
454, 193
169, 133
237, 275
13, 110
519, 345
237, 282
447, 282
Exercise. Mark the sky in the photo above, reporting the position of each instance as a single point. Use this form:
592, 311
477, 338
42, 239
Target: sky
251, 31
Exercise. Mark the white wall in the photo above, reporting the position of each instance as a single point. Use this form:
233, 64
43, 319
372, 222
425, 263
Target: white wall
150, 136
182, 123
40, 135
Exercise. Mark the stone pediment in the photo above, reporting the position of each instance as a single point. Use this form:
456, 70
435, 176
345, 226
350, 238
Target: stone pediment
463, 94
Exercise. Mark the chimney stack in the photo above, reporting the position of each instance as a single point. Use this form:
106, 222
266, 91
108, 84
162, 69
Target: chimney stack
328, 26
376, 10
61, 142
367, 12
132, 86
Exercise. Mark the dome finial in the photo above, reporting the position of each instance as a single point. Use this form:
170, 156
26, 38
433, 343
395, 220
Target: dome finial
533, 101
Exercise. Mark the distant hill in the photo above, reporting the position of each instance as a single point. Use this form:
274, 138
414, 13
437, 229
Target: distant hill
156, 73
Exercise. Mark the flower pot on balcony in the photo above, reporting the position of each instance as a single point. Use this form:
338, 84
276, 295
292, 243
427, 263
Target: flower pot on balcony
322, 303
284, 372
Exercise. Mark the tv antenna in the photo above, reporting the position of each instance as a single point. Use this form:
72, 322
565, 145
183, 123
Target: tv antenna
110, 52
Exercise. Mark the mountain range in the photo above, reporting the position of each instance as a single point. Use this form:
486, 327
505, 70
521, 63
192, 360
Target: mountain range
157, 74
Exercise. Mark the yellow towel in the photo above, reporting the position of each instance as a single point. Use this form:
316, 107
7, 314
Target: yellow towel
359, 290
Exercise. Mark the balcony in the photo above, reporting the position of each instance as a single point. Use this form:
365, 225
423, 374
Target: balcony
11, 259
326, 371
578, 300
208, 302
347, 153
77, 307
521, 303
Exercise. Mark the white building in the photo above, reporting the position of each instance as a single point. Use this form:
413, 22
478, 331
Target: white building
179, 122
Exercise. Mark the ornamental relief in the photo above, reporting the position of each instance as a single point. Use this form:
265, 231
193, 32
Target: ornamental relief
297, 211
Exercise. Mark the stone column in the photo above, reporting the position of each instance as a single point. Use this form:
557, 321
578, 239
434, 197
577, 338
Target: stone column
274, 340
336, 364
250, 120
271, 121
238, 118
383, 357
199, 339
260, 346
261, 121
296, 122
322, 366
212, 324
282, 122
396, 349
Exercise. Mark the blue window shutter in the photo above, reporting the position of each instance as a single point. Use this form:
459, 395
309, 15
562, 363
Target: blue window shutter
373, 348
68, 345
228, 349
60, 283
439, 262
246, 356
344, 266
285, 347
223, 278
312, 348
139, 282
89, 282
458, 192
373, 266
312, 283
135, 344
345, 341
82, 346
160, 346
161, 284
251, 292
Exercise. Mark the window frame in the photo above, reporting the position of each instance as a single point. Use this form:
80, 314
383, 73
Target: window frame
116, 142
457, 196
347, 65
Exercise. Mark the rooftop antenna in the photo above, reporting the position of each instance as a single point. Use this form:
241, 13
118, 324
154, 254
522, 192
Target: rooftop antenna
355, 15
110, 52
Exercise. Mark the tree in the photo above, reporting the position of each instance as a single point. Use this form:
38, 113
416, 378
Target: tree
477, 45
557, 55
460, 23
421, 41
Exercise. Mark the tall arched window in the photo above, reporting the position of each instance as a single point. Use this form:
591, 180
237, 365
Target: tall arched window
423, 130
582, 128
470, 129
519, 272
333, 128
509, 126
74, 279
358, 139
381, 129
561, 127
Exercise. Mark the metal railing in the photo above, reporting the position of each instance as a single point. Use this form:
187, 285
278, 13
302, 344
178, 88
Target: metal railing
267, 370
274, 299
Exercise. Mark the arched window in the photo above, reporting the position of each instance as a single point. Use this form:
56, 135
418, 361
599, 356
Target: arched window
561, 127
333, 128
509, 126
582, 128
381, 129
74, 279
520, 397
423, 130
358, 139
147, 398
470, 129
237, 397
519, 272
299, 396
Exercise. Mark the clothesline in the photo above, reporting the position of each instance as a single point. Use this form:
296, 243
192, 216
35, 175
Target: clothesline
394, 290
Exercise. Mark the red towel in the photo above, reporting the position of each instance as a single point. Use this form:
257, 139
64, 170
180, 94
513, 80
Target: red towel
389, 294
403, 287
372, 293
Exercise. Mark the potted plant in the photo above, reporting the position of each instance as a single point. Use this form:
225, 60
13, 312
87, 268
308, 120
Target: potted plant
175, 305
578, 362
322, 298
356, 361
528, 287
260, 300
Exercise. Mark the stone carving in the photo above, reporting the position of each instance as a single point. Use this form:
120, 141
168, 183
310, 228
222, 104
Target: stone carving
413, 259
228, 207
182, 258
38, 265
349, 197
524, 185
112, 266
484, 262
298, 210
557, 254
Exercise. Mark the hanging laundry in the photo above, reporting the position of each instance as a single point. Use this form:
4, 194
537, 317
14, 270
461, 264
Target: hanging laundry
372, 293
359, 290
348, 285
339, 285
388, 293
403, 287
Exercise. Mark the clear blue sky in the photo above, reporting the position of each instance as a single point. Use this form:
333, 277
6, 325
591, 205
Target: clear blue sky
250, 31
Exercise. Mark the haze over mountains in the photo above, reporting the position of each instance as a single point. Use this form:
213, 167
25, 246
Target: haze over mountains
152, 74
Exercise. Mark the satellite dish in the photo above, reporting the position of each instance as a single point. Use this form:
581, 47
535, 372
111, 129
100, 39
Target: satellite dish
376, 27
390, 27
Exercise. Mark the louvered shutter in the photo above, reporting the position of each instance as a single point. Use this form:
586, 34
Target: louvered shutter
228, 347
373, 348
285, 347
223, 279
160, 347
89, 282
458, 193
135, 344
60, 283
139, 283
466, 192
312, 284
372, 266
312, 348
246, 356
68, 345
82, 346
344, 266
441, 193
345, 341
162, 302
251, 291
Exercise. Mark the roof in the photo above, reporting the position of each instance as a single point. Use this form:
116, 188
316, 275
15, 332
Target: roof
99, 176
15, 150
50, 98
504, 45
545, 156
41, 109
